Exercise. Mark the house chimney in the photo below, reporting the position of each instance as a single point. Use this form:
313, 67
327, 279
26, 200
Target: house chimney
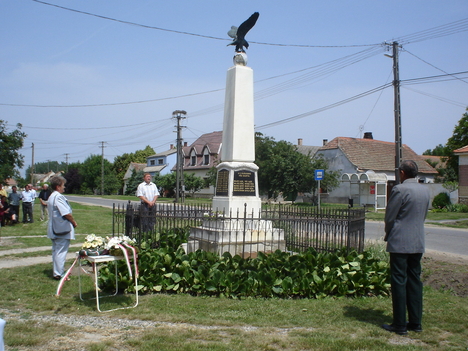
299, 141
325, 142
368, 135
185, 143
172, 146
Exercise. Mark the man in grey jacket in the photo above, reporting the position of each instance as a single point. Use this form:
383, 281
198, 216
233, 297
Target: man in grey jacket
404, 234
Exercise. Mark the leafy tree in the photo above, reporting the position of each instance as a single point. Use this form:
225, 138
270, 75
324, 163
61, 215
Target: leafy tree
122, 162
167, 182
46, 167
283, 169
10, 143
439, 150
210, 178
74, 179
91, 171
456, 141
193, 183
135, 179
111, 184
450, 186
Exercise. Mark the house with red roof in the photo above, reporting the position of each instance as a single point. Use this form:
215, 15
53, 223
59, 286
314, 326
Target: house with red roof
368, 169
202, 155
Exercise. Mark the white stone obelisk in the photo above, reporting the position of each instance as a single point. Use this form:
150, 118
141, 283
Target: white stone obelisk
237, 181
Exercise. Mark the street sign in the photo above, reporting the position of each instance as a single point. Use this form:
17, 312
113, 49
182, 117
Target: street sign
319, 173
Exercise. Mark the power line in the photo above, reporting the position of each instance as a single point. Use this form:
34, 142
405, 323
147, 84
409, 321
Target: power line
113, 103
437, 68
195, 34
452, 102
361, 95
306, 114
435, 32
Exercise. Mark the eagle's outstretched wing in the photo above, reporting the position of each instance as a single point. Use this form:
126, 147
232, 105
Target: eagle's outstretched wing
238, 34
247, 25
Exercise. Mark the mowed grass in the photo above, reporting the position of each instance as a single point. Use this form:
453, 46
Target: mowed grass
183, 322
90, 219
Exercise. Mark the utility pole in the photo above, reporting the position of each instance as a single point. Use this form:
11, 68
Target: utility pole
66, 160
32, 165
180, 188
397, 111
102, 168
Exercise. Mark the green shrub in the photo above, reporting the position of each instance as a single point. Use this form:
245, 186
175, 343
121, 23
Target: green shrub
441, 200
279, 274
460, 208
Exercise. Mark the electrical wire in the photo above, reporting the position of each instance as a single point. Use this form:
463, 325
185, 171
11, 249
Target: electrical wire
430, 64
306, 114
435, 32
421, 80
194, 34
452, 102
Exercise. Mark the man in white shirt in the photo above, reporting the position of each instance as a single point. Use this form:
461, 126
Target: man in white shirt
148, 194
28, 197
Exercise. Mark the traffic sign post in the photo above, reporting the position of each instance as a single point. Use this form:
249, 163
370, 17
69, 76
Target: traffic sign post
319, 173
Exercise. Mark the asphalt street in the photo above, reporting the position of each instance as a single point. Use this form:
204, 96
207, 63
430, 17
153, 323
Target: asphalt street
442, 239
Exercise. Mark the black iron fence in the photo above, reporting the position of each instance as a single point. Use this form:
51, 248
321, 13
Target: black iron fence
284, 227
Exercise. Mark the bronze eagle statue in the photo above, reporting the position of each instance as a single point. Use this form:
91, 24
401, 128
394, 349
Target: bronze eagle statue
238, 34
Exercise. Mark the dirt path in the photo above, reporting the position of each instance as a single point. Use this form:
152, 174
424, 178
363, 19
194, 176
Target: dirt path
11, 262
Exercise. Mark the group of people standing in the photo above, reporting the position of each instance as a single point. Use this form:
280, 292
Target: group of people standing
10, 204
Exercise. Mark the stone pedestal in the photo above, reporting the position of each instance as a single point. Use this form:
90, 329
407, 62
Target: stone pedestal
236, 236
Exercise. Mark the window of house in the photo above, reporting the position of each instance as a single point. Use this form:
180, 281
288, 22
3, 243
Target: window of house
206, 156
193, 158
160, 161
152, 162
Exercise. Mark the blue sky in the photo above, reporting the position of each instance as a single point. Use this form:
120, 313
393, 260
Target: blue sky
74, 80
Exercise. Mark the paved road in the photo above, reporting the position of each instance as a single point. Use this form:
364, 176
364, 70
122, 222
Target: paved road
98, 201
442, 239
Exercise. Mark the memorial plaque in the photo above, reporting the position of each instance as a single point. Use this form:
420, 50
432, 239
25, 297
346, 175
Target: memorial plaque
244, 183
222, 183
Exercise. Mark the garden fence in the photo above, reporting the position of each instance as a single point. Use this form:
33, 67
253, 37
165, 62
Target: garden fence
324, 230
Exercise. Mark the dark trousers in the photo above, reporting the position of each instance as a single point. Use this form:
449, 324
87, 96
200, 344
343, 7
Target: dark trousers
147, 217
407, 288
27, 212
15, 208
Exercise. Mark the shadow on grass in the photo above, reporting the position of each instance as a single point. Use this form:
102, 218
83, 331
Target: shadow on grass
367, 315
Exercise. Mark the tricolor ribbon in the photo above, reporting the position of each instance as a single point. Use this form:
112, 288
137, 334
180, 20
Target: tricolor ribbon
65, 277
123, 246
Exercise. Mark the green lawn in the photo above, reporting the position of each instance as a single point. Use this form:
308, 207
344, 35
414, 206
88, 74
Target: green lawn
184, 322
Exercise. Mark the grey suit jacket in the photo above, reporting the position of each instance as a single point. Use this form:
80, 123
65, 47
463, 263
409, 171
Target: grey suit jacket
404, 217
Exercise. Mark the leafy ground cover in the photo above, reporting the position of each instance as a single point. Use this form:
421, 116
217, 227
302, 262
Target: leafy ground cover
281, 274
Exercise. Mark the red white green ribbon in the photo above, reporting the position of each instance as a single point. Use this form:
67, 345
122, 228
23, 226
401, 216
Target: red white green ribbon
65, 277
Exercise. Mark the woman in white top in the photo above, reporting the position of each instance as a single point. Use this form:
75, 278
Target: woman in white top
60, 212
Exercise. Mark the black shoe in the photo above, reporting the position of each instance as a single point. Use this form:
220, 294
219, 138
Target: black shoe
394, 329
414, 327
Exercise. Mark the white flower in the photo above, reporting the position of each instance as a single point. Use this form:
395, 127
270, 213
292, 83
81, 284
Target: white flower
113, 242
92, 241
